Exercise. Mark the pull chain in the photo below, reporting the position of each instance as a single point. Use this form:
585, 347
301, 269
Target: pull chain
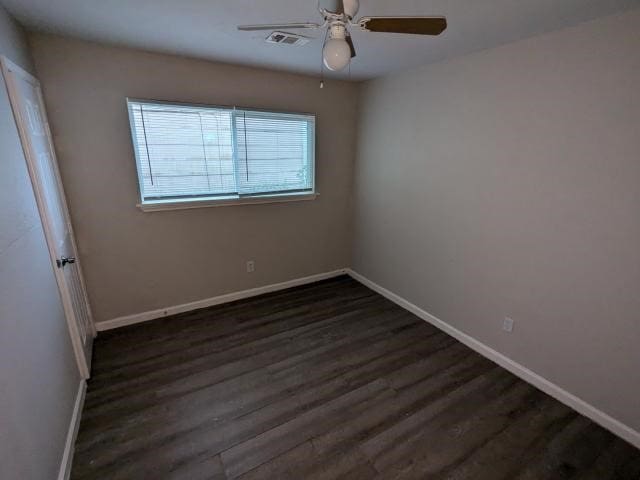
322, 59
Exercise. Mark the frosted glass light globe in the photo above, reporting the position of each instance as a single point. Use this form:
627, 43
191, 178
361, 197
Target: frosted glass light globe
336, 54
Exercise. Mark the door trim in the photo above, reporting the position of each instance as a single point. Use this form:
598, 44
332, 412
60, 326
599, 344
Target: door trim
9, 67
72, 433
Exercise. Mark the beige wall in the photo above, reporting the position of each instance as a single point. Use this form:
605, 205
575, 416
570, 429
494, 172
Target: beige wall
507, 183
137, 261
38, 374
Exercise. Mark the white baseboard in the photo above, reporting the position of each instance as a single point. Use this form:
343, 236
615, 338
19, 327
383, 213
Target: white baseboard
67, 456
209, 302
618, 428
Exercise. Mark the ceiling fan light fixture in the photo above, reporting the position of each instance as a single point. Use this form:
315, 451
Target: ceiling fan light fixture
336, 52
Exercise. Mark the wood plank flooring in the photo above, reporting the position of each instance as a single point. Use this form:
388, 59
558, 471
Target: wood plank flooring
324, 381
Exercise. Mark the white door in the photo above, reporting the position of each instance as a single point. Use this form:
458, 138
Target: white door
28, 108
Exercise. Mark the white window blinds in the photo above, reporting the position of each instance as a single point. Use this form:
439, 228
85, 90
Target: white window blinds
274, 152
196, 152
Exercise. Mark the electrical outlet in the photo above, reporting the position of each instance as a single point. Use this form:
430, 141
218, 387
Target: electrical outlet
251, 266
507, 325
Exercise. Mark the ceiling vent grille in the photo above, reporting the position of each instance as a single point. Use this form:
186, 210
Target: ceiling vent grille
285, 38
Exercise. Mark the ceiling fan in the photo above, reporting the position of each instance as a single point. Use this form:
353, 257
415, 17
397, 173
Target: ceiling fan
338, 50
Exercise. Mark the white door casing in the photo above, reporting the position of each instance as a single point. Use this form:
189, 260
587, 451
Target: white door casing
28, 107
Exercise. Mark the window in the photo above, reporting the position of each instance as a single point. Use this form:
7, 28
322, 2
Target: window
190, 155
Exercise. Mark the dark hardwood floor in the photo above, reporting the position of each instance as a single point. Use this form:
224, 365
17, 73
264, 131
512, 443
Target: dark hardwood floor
324, 381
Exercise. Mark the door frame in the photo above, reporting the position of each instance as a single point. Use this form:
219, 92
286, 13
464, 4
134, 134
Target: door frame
9, 67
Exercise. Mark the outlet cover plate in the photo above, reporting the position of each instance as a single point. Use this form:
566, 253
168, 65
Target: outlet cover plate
507, 325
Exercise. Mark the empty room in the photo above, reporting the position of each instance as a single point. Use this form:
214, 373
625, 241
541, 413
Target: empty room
320, 239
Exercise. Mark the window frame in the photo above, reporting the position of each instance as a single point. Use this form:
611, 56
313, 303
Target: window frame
221, 200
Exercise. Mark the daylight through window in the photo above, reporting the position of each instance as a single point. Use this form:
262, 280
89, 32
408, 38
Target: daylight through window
189, 152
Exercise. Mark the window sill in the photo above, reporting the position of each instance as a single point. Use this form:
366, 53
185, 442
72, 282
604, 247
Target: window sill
161, 205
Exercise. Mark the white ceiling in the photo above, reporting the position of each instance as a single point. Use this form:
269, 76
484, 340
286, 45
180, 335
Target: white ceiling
207, 28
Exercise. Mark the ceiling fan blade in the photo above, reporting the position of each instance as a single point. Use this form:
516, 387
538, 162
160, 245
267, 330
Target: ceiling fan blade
350, 7
352, 47
277, 26
413, 25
